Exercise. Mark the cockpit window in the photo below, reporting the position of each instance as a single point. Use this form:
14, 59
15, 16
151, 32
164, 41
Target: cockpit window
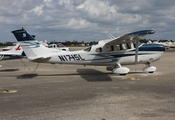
134, 44
98, 49
87, 49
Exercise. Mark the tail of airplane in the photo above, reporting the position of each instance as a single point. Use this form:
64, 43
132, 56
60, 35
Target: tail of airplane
32, 48
173, 44
16, 50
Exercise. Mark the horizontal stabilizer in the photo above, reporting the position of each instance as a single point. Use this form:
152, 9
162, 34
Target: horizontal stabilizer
39, 58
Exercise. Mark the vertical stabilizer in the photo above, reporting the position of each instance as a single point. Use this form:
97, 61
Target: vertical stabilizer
173, 44
32, 48
16, 49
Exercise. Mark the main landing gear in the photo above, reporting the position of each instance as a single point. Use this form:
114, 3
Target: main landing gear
118, 69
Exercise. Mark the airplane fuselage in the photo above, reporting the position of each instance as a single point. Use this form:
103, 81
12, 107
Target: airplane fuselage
147, 53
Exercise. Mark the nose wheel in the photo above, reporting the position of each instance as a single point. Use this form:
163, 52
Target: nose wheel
148, 68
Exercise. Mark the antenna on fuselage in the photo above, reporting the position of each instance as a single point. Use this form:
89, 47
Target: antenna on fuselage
111, 36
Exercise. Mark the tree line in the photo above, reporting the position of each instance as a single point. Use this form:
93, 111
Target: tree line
161, 40
6, 44
77, 43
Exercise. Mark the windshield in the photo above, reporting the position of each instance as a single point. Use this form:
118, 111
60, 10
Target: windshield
87, 49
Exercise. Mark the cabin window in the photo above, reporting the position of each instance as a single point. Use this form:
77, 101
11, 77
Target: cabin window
87, 49
98, 49
128, 45
109, 48
118, 47
124, 46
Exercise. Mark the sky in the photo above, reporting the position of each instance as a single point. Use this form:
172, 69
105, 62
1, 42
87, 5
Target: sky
86, 20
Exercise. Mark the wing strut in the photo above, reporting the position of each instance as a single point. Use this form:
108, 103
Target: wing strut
136, 56
1, 57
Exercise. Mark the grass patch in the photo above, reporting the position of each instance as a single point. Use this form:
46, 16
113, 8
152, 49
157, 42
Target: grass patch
2, 46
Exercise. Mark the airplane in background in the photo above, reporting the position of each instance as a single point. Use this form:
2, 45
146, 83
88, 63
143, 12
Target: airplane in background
112, 53
17, 52
7, 48
58, 46
170, 45
166, 44
14, 53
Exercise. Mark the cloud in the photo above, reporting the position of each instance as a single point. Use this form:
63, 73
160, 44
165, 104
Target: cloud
86, 20
38, 10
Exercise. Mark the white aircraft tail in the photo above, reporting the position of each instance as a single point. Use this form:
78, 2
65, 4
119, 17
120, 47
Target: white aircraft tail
32, 48
173, 44
16, 49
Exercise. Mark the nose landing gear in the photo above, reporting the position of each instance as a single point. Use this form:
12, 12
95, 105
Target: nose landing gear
148, 68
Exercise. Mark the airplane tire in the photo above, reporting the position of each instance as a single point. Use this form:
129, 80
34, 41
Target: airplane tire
122, 74
151, 72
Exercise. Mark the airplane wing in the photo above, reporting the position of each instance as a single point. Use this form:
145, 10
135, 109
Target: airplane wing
127, 38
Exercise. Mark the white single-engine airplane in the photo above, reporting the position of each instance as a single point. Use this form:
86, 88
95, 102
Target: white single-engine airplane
111, 53
15, 52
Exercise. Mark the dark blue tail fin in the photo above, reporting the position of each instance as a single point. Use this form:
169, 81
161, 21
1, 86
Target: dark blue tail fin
22, 35
32, 48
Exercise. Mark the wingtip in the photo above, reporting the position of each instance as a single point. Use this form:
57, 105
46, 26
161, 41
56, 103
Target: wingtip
143, 32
